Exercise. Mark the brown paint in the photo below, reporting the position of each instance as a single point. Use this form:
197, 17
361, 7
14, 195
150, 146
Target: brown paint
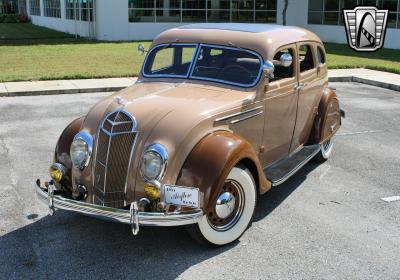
211, 160
63, 146
328, 116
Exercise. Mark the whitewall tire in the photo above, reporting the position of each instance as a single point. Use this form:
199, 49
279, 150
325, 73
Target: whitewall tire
233, 212
325, 152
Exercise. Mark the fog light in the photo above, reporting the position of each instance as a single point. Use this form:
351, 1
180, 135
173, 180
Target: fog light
152, 190
57, 171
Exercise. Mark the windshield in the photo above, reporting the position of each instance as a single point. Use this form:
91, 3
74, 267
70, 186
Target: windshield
204, 62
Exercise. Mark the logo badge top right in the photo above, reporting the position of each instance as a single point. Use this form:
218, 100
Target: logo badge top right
366, 28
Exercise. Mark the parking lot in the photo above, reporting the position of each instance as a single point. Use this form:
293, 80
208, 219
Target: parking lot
328, 222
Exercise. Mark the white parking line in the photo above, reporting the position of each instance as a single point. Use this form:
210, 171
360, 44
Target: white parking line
391, 198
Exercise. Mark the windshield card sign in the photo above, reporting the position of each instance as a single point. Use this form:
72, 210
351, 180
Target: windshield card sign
366, 28
182, 196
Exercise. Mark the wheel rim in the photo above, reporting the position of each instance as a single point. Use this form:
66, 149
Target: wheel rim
219, 219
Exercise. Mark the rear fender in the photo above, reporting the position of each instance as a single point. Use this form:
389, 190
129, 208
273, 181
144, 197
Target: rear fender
328, 119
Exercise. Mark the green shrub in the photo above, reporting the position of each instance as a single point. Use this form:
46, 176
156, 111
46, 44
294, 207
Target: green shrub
13, 18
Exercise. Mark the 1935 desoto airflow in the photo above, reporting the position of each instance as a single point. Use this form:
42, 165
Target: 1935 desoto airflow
219, 114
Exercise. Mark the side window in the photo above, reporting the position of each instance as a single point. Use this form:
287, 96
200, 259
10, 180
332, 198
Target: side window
306, 58
282, 72
320, 55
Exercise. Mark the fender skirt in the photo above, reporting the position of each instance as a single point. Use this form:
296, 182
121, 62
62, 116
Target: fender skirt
328, 120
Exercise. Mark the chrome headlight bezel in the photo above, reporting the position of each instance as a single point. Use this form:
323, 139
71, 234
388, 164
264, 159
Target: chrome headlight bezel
87, 140
155, 150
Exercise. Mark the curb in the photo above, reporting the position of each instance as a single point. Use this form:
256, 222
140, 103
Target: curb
343, 79
63, 91
350, 79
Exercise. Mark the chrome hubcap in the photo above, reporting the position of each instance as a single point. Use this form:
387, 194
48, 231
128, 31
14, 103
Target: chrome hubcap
225, 205
228, 208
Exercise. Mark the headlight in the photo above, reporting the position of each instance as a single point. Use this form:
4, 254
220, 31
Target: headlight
81, 149
153, 162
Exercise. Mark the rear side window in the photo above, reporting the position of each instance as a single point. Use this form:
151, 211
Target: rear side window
282, 72
320, 55
306, 58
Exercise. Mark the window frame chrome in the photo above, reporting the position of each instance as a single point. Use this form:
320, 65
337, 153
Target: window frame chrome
194, 60
160, 46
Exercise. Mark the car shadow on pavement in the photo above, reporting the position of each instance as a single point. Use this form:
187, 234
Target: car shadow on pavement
273, 198
69, 246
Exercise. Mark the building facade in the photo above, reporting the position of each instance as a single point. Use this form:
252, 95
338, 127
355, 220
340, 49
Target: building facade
144, 19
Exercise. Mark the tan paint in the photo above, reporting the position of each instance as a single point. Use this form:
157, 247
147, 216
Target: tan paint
181, 113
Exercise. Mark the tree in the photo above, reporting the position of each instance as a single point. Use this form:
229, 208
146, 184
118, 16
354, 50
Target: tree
284, 11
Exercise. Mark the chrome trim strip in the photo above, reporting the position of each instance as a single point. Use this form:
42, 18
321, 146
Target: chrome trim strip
118, 215
304, 162
223, 81
238, 114
247, 117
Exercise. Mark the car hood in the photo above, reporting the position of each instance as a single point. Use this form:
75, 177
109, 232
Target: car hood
174, 114
172, 108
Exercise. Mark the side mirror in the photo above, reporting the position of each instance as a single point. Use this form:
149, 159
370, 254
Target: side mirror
286, 59
268, 69
141, 49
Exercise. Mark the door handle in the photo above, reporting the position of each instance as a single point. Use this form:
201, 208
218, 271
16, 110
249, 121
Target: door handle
299, 86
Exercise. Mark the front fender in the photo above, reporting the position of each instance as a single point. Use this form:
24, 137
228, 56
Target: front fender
63, 146
211, 160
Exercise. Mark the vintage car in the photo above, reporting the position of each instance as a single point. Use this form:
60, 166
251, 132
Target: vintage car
219, 114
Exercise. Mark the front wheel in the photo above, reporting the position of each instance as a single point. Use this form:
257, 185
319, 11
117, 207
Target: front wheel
232, 212
325, 152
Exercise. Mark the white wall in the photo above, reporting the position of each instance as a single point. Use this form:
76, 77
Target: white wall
63, 25
113, 24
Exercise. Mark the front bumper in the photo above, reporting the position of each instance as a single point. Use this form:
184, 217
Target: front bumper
132, 217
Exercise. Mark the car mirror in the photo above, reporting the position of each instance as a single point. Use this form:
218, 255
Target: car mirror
268, 69
141, 49
286, 60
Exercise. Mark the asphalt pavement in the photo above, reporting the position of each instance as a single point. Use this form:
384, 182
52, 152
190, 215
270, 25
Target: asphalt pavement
328, 222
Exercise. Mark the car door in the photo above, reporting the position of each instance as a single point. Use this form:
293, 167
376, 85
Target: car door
280, 108
309, 91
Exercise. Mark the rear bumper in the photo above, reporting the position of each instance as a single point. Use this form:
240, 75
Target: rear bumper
132, 216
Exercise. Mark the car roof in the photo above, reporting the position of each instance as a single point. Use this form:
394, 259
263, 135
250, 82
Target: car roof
262, 38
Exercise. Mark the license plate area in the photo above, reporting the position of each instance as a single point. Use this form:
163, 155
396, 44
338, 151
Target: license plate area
182, 196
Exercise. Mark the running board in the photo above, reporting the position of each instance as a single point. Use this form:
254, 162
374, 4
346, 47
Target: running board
282, 170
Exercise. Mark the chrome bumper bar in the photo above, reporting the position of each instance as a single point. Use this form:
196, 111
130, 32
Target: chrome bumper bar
132, 217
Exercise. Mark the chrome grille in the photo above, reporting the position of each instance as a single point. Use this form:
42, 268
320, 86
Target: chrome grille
115, 144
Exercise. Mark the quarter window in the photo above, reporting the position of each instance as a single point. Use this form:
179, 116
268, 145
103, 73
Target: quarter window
320, 55
306, 58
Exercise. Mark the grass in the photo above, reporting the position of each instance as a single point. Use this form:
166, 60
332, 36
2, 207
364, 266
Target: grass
28, 31
29, 52
341, 56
